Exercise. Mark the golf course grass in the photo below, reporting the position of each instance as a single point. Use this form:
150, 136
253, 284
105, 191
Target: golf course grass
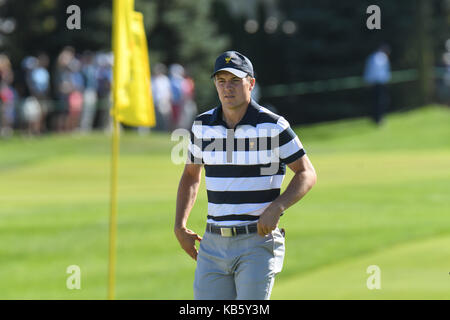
382, 198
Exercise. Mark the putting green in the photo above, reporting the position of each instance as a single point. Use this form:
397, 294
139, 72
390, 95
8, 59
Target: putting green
417, 270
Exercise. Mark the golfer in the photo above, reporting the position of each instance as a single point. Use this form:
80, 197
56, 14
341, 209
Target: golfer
244, 149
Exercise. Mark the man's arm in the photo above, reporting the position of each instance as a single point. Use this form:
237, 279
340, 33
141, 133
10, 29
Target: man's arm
303, 180
187, 193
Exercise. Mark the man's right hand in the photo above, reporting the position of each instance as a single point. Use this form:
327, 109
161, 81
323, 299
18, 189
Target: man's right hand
187, 240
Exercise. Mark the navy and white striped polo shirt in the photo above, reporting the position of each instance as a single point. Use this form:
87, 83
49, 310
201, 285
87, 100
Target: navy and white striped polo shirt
245, 166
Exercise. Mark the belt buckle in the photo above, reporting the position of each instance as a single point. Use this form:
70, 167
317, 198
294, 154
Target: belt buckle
226, 232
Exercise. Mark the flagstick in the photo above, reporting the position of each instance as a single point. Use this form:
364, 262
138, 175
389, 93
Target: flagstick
113, 213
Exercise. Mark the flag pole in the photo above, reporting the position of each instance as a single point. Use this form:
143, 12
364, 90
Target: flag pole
114, 162
132, 100
113, 211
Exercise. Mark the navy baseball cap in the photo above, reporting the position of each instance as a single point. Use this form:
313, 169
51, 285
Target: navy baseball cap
234, 62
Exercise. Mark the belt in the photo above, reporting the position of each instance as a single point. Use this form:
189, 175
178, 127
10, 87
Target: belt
231, 231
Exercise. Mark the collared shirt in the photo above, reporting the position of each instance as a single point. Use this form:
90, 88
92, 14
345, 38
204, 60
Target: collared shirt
244, 166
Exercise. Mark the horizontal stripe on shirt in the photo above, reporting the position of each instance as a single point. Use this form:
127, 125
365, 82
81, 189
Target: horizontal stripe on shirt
243, 184
234, 217
243, 171
242, 158
237, 197
217, 209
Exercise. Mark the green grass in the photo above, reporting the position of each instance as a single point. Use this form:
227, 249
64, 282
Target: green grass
382, 198
412, 270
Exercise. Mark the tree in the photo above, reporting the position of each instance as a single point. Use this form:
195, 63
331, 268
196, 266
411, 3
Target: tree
185, 33
332, 41
424, 48
178, 31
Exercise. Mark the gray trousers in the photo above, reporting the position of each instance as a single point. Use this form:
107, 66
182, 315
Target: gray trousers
242, 267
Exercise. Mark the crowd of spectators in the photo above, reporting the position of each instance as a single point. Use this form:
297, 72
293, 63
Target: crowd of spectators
75, 94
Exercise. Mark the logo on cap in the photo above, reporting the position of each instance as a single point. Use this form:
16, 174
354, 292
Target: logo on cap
233, 62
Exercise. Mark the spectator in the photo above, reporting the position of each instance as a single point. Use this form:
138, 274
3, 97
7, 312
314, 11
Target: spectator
162, 96
31, 113
82, 94
75, 98
38, 85
184, 108
89, 71
63, 88
7, 97
189, 107
104, 79
443, 82
176, 76
377, 73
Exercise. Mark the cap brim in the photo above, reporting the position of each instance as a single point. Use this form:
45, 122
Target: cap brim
237, 73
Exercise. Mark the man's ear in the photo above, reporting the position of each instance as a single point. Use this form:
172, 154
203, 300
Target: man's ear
252, 83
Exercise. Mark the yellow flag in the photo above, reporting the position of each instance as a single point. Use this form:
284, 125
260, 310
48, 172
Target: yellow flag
142, 110
132, 96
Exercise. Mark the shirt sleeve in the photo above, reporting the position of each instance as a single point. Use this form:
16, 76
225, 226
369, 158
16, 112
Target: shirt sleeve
290, 147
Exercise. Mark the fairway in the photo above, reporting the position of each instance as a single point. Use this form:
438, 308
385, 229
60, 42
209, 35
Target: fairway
382, 198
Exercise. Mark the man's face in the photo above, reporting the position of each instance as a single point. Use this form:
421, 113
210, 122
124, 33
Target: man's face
234, 92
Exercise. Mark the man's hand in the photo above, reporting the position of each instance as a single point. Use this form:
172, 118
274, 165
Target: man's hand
268, 221
302, 181
187, 240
